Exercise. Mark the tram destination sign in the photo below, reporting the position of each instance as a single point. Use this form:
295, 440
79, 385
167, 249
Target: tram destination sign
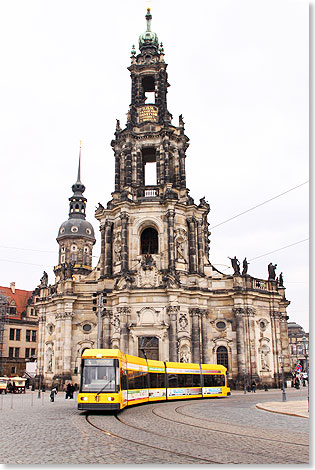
148, 113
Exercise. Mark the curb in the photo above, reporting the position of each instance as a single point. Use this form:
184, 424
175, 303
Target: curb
261, 407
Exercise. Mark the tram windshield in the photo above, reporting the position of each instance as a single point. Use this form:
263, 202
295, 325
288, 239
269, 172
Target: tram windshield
100, 375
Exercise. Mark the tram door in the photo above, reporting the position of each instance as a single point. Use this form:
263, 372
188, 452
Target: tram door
150, 345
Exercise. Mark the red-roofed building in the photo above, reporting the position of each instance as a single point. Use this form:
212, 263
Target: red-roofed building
18, 330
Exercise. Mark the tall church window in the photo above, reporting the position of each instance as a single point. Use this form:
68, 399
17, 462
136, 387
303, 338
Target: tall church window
150, 345
222, 356
149, 166
149, 241
148, 87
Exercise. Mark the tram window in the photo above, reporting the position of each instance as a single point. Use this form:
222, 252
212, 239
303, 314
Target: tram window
157, 380
181, 380
172, 380
96, 378
196, 380
137, 379
123, 380
214, 380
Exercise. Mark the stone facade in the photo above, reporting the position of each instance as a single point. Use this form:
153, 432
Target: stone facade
154, 286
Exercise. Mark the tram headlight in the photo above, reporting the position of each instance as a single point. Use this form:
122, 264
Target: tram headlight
110, 398
84, 398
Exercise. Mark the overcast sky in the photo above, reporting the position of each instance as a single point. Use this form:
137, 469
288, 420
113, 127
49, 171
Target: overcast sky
238, 72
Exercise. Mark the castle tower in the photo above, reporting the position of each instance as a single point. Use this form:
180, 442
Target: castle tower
75, 236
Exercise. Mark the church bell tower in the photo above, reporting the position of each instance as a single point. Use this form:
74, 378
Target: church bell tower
154, 238
151, 212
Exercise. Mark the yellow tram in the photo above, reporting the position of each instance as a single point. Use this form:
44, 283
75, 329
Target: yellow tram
112, 380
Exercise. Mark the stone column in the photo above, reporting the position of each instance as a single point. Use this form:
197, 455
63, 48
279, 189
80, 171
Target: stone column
192, 245
162, 166
108, 248
204, 337
173, 314
240, 341
67, 339
166, 161
102, 258
128, 165
59, 340
117, 171
124, 241
139, 168
124, 314
252, 342
41, 338
106, 328
182, 168
200, 247
275, 316
195, 334
171, 245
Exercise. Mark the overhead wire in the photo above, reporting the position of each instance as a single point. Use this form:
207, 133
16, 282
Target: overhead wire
258, 205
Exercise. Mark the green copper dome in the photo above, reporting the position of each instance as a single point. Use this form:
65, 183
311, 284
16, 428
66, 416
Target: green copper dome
148, 38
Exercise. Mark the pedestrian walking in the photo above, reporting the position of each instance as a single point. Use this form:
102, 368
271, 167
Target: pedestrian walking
71, 390
254, 386
68, 391
53, 393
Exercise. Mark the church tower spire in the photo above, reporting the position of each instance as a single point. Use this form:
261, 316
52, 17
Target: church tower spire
76, 235
78, 201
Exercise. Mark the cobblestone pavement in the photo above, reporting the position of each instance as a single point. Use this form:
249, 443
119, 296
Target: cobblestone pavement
231, 430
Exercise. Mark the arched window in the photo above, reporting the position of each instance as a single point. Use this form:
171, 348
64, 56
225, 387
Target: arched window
222, 356
149, 241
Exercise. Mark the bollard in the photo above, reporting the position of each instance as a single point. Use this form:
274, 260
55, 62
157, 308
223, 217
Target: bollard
32, 399
11, 401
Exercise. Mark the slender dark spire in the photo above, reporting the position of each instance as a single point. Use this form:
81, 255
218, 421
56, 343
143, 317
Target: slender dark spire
78, 201
79, 168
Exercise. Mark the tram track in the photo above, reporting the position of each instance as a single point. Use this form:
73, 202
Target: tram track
198, 446
158, 448
214, 429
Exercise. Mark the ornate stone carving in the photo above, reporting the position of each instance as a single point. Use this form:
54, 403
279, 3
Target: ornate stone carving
198, 311
49, 355
117, 248
185, 354
250, 311
181, 245
183, 321
50, 328
173, 309
238, 311
116, 323
124, 310
148, 274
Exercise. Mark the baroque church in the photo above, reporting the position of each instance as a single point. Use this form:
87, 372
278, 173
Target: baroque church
154, 289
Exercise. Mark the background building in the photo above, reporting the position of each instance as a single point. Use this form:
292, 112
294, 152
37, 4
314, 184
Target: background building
298, 340
18, 330
154, 286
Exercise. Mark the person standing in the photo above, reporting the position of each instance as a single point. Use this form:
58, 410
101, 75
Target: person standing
53, 393
254, 386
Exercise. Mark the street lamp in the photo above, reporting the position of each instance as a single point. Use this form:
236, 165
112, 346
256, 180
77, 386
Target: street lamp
307, 371
281, 360
39, 381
